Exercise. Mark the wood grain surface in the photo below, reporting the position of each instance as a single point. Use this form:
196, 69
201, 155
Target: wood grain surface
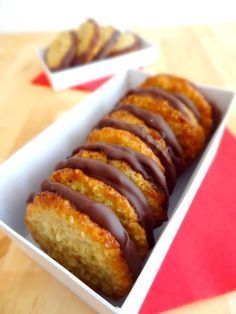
205, 54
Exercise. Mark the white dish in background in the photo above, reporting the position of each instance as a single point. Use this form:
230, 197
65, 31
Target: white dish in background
23, 172
62, 79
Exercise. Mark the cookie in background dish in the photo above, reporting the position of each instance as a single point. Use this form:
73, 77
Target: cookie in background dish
126, 42
61, 52
88, 42
107, 38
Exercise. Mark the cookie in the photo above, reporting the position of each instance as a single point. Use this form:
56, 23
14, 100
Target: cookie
85, 237
61, 52
108, 36
125, 43
88, 40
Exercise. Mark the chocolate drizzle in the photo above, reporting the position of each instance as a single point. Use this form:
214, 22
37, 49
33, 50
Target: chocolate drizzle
138, 162
31, 197
161, 93
188, 103
121, 183
140, 132
103, 216
156, 122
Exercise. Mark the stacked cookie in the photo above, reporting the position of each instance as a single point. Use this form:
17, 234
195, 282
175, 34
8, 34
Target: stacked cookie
97, 211
90, 42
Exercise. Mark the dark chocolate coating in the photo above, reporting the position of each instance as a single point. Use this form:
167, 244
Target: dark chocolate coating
188, 103
161, 93
121, 183
101, 215
31, 197
141, 133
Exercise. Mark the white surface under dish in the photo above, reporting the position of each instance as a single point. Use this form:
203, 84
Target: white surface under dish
23, 172
62, 79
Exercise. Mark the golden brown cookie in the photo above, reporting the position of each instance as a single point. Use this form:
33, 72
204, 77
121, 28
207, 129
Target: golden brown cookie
60, 53
99, 257
176, 84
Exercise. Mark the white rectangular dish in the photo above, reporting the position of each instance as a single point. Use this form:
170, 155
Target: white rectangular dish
62, 79
23, 172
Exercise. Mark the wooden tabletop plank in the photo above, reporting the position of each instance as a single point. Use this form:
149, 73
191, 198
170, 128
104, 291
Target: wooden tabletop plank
204, 54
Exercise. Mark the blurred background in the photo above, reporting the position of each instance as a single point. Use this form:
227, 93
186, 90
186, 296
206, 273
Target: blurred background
43, 15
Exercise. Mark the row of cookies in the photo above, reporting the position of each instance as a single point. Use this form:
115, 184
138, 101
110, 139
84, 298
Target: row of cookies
97, 211
88, 43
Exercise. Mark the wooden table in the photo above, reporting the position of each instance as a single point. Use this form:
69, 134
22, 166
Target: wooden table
202, 53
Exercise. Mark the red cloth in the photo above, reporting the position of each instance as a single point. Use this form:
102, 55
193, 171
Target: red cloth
41, 79
201, 262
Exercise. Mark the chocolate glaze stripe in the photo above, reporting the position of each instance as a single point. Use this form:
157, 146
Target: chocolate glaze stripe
140, 163
156, 122
31, 197
161, 93
141, 133
188, 103
101, 215
121, 183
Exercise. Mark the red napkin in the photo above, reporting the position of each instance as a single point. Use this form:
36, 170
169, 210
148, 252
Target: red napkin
201, 262
41, 79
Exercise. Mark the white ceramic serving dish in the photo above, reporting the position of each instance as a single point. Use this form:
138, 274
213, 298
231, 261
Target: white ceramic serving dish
23, 172
146, 55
